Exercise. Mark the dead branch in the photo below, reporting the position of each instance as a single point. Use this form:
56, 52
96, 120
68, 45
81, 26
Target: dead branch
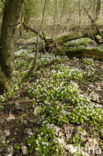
38, 68
34, 31
19, 102
82, 52
93, 22
47, 64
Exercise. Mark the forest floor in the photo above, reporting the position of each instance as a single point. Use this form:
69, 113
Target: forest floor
59, 112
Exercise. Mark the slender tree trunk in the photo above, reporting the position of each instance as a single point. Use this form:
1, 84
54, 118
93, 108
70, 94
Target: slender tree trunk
98, 8
11, 15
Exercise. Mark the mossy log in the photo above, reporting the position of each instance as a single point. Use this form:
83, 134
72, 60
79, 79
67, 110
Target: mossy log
58, 46
72, 36
76, 35
62, 45
81, 52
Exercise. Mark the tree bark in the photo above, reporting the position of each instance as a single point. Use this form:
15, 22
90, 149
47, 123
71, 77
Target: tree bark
11, 15
4, 83
98, 8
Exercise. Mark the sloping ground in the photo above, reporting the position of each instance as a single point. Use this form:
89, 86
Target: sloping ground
60, 112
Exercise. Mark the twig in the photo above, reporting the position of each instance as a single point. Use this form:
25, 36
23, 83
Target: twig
19, 102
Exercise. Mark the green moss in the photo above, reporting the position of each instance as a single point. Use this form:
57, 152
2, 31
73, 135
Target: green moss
80, 42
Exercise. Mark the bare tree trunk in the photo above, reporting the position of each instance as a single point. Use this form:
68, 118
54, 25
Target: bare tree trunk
11, 15
98, 8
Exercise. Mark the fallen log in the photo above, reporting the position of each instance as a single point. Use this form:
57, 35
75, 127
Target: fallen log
81, 52
57, 45
50, 43
72, 36
92, 34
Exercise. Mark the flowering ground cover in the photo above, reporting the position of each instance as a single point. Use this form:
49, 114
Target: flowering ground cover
59, 112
